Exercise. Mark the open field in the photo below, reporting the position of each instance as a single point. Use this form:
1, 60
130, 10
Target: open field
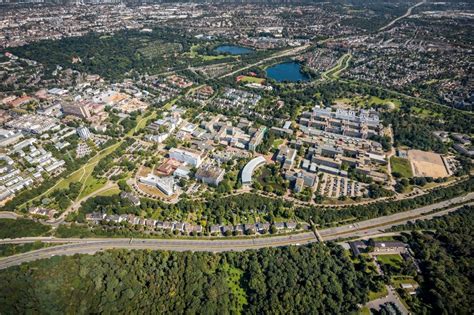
424, 113
277, 143
159, 48
90, 185
377, 295
142, 123
109, 192
194, 54
401, 166
250, 79
427, 164
368, 101
390, 259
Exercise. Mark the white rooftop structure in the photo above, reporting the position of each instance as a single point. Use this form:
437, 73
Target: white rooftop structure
250, 167
165, 184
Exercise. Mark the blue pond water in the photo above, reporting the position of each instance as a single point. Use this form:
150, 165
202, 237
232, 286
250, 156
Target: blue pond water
287, 71
234, 50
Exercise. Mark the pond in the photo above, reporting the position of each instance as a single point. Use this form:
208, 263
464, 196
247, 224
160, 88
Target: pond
234, 50
287, 71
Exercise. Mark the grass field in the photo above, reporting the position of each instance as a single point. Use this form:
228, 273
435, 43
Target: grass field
394, 260
424, 113
401, 166
142, 123
249, 79
369, 101
193, 53
158, 49
277, 143
90, 185
377, 295
110, 192
364, 311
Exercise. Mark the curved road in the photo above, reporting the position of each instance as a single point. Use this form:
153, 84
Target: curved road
89, 246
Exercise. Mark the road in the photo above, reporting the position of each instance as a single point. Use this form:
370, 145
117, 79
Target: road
92, 245
391, 297
408, 13
8, 215
285, 53
341, 65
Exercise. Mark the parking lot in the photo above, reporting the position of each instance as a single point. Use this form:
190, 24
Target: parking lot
336, 186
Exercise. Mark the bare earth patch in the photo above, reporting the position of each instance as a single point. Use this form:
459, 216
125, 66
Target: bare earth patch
427, 164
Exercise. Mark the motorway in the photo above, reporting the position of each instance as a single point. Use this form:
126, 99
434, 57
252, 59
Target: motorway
92, 245
407, 14
285, 53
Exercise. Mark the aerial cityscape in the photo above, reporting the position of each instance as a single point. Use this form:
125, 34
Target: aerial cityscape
236, 157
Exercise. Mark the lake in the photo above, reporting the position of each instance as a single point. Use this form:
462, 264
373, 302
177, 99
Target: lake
287, 71
234, 50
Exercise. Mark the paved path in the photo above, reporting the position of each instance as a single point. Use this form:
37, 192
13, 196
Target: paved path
92, 245
76, 204
8, 215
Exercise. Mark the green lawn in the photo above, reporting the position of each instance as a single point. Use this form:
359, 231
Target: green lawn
401, 166
250, 79
110, 192
369, 101
92, 184
394, 260
277, 143
158, 48
377, 295
424, 113
193, 53
399, 280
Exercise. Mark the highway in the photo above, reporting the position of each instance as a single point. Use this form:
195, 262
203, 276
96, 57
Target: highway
366, 228
285, 53
408, 13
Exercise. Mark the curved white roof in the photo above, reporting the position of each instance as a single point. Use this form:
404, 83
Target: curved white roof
250, 167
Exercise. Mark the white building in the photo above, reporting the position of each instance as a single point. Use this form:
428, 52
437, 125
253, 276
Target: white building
164, 184
186, 156
8, 137
84, 133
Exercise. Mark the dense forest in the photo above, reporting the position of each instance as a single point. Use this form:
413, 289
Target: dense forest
463, 216
446, 259
11, 228
111, 56
315, 279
